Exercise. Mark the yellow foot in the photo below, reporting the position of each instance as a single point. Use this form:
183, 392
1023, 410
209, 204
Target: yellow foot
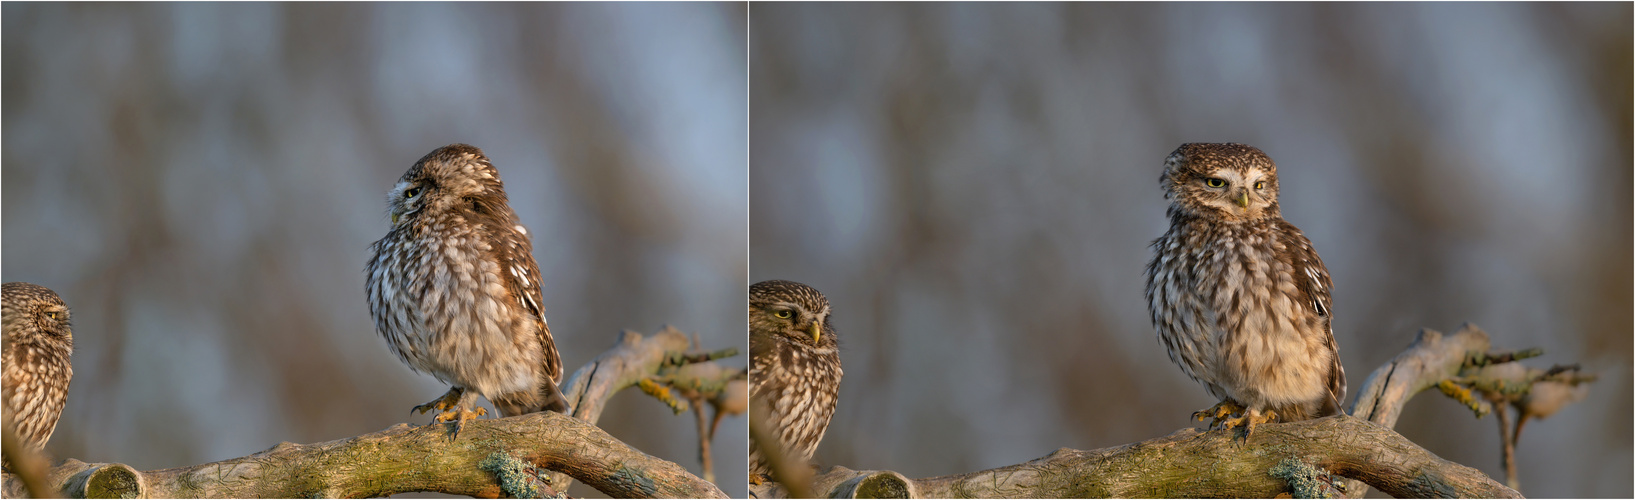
755, 479
450, 400
1249, 420
452, 407
1219, 412
459, 417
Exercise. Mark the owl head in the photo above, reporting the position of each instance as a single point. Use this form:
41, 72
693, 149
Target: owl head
454, 178
35, 315
793, 311
1221, 182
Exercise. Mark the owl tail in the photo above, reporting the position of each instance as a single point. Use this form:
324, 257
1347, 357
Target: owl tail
548, 398
554, 400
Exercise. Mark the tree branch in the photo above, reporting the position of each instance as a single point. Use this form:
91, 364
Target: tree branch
1311, 458
1189, 463
492, 457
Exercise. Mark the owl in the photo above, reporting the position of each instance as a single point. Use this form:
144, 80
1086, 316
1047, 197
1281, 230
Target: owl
454, 290
794, 367
1237, 294
36, 368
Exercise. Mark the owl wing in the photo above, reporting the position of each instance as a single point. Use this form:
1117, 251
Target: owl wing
522, 280
1313, 287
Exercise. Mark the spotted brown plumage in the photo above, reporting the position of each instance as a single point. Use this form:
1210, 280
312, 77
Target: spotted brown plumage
1238, 296
794, 367
455, 292
36, 367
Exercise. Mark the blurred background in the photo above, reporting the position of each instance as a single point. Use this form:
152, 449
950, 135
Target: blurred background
201, 183
974, 187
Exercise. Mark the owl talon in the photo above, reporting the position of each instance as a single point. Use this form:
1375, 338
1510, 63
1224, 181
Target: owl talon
459, 417
1249, 420
1219, 412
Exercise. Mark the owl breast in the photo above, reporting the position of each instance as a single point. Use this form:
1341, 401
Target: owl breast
1227, 309
800, 386
445, 312
36, 388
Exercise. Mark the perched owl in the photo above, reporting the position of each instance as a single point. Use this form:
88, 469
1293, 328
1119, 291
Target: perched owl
794, 367
35, 367
1238, 296
455, 292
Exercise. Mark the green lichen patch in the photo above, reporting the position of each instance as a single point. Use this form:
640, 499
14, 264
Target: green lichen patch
517, 477
1305, 481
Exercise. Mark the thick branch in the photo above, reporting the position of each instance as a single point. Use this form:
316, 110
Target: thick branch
492, 457
405, 459
1189, 463
1306, 458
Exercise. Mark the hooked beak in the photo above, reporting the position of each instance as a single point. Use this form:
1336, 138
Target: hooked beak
394, 218
1243, 198
817, 332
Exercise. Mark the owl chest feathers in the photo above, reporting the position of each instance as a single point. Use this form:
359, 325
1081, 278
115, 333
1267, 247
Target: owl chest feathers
450, 314
799, 385
1229, 304
33, 398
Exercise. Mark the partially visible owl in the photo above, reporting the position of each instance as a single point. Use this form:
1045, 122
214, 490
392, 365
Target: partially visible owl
794, 367
35, 365
454, 290
1238, 296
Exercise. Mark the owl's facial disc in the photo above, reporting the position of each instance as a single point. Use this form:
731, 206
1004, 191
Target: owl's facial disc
404, 199
1236, 193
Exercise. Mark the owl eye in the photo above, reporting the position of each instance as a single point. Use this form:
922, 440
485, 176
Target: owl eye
54, 315
1214, 182
411, 192
1260, 184
784, 314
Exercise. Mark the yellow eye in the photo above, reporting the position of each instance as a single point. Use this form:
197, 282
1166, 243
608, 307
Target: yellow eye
411, 192
1260, 184
784, 314
1214, 182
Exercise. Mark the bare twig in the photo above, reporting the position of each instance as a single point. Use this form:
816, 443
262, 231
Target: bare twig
1503, 383
1507, 442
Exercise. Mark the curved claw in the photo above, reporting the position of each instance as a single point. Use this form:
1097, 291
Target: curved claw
459, 417
1249, 420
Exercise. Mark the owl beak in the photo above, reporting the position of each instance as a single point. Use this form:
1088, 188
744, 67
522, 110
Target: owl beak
394, 218
1243, 198
817, 332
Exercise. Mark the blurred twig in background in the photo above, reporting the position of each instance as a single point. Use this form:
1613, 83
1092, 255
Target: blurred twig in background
1502, 384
